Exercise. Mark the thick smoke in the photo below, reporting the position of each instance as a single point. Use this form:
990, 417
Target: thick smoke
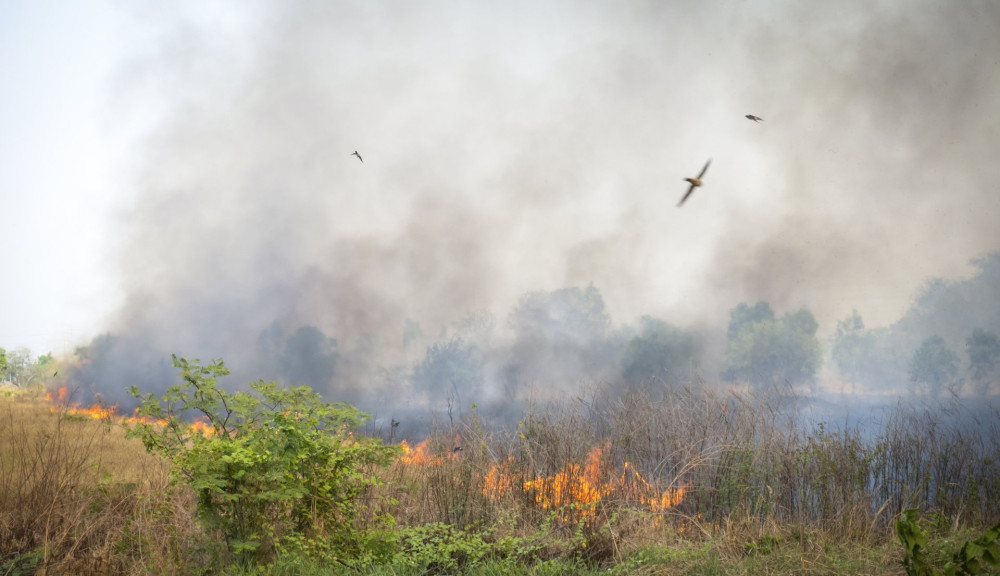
515, 147
877, 155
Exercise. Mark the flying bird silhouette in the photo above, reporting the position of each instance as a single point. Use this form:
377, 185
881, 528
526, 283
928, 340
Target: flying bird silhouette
754, 118
359, 156
695, 182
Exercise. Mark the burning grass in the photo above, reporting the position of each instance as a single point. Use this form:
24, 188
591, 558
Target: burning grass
59, 401
686, 465
679, 481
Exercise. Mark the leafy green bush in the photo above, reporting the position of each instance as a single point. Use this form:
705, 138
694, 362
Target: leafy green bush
979, 556
441, 547
273, 468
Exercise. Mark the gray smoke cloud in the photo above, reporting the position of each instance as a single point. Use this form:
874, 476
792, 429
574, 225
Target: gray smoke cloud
518, 146
878, 158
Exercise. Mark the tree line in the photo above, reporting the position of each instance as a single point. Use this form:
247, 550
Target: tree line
557, 340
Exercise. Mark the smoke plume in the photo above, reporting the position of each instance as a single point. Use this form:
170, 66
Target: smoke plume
513, 147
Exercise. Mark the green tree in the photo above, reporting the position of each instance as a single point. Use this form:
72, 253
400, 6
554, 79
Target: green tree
3, 363
984, 356
19, 367
934, 365
763, 350
744, 317
659, 351
278, 467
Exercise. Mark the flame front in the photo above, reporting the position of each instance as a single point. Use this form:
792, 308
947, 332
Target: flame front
575, 491
60, 402
418, 455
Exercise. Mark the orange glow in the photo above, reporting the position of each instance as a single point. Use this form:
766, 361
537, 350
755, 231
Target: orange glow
203, 428
575, 491
106, 412
670, 498
569, 486
97, 412
418, 455
144, 420
498, 482
60, 398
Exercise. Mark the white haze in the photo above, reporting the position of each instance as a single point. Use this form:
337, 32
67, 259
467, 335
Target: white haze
520, 146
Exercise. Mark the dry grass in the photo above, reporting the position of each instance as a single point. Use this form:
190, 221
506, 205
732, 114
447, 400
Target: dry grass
77, 497
749, 472
716, 483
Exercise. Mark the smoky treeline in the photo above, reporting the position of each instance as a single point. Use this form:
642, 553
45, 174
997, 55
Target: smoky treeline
512, 233
559, 344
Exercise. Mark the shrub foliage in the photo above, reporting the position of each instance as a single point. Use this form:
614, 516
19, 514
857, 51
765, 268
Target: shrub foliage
272, 468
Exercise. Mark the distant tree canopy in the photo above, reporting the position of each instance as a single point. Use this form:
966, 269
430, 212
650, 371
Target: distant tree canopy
934, 365
764, 350
111, 363
862, 356
475, 328
561, 316
3, 363
560, 339
448, 368
983, 348
659, 351
309, 358
744, 316
953, 309
850, 346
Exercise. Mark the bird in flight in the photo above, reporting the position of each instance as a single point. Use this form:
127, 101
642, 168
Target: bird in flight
359, 156
754, 118
695, 182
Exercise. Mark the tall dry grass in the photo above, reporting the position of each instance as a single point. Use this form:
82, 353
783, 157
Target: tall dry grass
747, 466
597, 477
76, 497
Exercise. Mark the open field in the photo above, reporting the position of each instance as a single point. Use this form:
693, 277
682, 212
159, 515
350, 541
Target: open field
678, 482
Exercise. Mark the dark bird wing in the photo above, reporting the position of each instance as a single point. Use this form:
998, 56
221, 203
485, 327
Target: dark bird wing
703, 170
690, 190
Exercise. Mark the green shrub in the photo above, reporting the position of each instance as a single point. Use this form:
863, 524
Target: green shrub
979, 556
276, 468
441, 547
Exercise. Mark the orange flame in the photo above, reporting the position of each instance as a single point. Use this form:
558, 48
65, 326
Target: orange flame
97, 412
575, 491
109, 412
568, 487
498, 482
418, 455
62, 393
203, 428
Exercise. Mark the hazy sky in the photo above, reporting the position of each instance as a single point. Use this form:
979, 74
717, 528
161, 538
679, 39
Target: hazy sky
182, 171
